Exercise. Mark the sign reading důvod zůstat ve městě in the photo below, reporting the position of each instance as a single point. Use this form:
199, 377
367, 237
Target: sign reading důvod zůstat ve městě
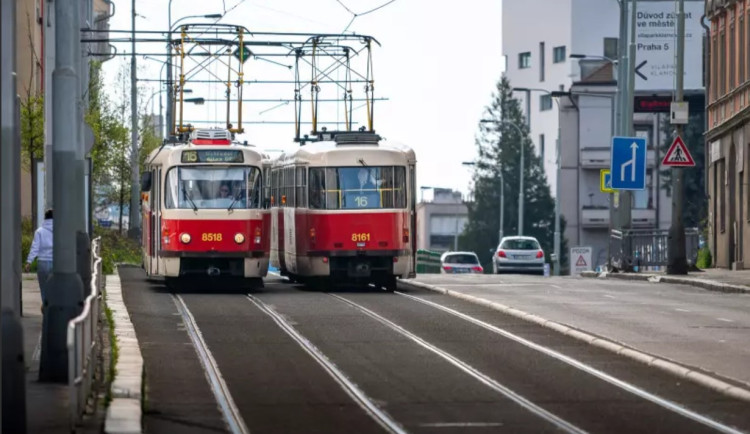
656, 41
580, 260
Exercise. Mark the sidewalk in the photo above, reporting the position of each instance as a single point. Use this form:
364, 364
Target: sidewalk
46, 403
712, 279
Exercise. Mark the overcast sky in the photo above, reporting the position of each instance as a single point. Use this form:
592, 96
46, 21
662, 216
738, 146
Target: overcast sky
438, 65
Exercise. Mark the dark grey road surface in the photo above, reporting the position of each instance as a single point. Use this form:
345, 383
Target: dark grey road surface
278, 387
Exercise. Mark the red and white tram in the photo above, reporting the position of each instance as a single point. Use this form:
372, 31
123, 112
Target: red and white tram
203, 210
343, 211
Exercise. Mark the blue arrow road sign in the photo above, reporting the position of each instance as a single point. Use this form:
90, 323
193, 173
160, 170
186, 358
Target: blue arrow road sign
628, 163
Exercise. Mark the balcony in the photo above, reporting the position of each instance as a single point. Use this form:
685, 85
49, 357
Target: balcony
598, 158
598, 218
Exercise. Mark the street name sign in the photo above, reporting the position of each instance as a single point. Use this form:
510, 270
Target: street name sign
628, 163
678, 155
605, 181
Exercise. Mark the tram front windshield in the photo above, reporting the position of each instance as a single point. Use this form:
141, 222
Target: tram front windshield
211, 187
368, 187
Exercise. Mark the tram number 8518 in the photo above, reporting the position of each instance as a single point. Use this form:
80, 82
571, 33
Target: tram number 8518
210, 237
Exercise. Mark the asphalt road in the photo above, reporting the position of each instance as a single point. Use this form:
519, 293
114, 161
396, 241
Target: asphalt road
286, 359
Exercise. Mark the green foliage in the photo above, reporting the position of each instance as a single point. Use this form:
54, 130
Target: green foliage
27, 237
112, 371
704, 258
117, 248
695, 205
32, 129
499, 145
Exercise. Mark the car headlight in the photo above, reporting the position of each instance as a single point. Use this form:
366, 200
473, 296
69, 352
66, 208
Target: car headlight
239, 238
185, 237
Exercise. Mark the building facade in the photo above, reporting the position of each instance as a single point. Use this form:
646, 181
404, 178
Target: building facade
537, 51
728, 135
441, 220
586, 128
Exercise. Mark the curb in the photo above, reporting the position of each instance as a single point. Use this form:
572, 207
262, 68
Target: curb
617, 348
709, 285
124, 411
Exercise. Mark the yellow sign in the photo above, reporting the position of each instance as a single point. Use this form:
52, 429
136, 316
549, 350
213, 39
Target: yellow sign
605, 181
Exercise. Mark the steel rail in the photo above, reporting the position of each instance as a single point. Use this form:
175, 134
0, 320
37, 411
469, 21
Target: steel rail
476, 374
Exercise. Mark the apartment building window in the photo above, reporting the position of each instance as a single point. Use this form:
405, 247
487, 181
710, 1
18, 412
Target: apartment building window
541, 147
714, 70
721, 197
742, 77
524, 60
610, 47
732, 57
558, 54
545, 102
541, 61
722, 63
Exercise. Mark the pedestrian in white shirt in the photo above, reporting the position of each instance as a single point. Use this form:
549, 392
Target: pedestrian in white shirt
41, 249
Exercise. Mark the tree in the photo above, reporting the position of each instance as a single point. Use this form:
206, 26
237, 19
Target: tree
499, 145
695, 204
32, 139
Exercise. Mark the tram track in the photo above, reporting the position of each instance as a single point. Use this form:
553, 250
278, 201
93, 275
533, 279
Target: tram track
637, 391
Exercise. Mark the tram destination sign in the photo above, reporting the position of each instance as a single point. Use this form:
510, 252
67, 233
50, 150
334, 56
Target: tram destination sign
212, 156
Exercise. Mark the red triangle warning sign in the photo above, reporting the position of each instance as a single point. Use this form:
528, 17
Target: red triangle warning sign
580, 262
678, 155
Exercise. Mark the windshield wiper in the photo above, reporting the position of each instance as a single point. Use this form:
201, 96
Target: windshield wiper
195, 207
234, 200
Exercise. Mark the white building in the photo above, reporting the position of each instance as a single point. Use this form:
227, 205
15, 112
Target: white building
441, 220
538, 38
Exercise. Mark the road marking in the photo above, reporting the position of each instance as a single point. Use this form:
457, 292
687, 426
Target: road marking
228, 408
484, 379
380, 416
724, 320
494, 284
37, 354
460, 424
610, 296
682, 310
669, 405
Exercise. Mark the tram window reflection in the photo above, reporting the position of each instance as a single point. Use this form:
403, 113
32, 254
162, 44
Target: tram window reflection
371, 187
212, 187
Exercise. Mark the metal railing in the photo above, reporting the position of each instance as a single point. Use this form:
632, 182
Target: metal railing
648, 247
82, 336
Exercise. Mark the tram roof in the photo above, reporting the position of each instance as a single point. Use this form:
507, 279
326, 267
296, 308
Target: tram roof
331, 153
171, 155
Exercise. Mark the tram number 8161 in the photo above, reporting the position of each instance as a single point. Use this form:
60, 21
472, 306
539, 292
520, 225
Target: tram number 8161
360, 237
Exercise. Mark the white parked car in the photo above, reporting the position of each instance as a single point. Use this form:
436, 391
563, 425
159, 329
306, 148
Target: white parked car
460, 262
518, 254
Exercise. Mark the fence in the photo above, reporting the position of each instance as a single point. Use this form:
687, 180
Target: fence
82, 334
648, 247
428, 262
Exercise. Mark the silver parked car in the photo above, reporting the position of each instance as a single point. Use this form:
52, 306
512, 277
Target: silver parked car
460, 262
518, 254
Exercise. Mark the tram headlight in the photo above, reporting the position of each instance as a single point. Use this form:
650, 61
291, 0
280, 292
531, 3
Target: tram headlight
185, 238
239, 238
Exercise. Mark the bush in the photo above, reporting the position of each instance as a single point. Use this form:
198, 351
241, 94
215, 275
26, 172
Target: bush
704, 258
117, 249
27, 236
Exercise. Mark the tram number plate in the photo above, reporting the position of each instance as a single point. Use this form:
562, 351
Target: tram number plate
211, 237
358, 237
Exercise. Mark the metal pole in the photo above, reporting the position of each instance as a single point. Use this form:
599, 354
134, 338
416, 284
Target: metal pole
13, 411
502, 206
170, 90
557, 199
677, 263
134, 216
521, 170
455, 236
49, 62
65, 288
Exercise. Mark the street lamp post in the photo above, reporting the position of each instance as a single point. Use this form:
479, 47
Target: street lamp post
520, 184
502, 200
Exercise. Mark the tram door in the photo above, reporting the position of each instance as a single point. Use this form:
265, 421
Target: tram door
413, 219
156, 220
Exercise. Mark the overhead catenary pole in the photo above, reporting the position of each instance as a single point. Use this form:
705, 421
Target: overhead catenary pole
522, 164
134, 224
13, 409
65, 294
676, 257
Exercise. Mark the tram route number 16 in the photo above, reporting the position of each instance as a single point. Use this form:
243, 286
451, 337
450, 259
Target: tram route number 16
360, 237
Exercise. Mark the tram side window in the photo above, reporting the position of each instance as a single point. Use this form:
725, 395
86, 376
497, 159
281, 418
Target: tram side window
358, 187
301, 188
